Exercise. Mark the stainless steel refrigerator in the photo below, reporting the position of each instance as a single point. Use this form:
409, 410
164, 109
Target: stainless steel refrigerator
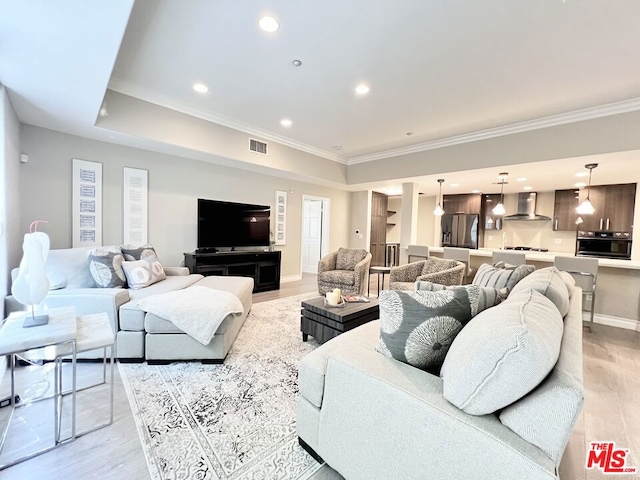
460, 230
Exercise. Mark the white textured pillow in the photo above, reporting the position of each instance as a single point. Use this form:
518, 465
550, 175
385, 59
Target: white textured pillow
142, 273
549, 283
503, 353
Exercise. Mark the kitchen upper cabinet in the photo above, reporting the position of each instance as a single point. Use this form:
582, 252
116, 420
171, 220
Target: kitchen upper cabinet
491, 221
614, 205
564, 210
466, 203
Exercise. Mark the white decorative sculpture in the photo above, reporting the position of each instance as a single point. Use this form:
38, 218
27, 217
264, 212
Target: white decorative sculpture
32, 285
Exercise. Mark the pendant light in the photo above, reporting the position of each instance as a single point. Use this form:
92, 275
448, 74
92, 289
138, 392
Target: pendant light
499, 208
439, 211
586, 207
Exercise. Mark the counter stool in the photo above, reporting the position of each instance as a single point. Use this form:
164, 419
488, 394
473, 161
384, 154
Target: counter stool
585, 272
511, 258
416, 253
462, 255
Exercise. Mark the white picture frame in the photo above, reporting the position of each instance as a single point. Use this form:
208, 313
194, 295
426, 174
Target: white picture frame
280, 232
86, 184
135, 206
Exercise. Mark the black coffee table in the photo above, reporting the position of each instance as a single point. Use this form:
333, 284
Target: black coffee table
323, 323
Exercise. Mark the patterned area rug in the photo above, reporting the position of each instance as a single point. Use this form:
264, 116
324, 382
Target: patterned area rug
231, 421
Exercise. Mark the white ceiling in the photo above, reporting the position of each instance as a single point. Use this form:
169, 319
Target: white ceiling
438, 69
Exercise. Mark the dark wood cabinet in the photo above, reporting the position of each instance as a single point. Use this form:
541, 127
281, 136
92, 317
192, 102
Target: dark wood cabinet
470, 203
614, 207
378, 242
491, 221
263, 267
564, 210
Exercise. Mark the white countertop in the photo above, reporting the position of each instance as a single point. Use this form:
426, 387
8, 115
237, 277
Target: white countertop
549, 256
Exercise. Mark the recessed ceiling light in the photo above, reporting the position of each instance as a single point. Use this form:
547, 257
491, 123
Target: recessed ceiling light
268, 24
475, 191
580, 184
200, 87
409, 134
582, 174
362, 89
297, 63
285, 122
337, 147
455, 184
521, 179
527, 188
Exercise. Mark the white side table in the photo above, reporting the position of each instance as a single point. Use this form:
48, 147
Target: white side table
14, 339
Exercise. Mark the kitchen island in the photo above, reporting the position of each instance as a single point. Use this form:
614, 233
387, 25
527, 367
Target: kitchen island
617, 290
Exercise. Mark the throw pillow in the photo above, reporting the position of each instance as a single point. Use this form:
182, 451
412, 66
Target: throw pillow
132, 252
105, 265
418, 327
480, 298
503, 353
145, 272
549, 283
507, 277
348, 258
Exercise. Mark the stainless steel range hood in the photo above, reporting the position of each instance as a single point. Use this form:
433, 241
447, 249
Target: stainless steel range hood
526, 208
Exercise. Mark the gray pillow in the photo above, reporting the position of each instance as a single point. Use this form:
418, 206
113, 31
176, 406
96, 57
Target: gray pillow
495, 277
480, 298
132, 252
418, 327
142, 273
503, 353
348, 258
549, 283
105, 265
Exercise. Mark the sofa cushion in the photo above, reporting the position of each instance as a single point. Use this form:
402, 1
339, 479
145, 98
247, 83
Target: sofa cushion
348, 258
131, 252
507, 277
480, 298
69, 268
105, 265
418, 327
142, 273
549, 283
342, 277
503, 353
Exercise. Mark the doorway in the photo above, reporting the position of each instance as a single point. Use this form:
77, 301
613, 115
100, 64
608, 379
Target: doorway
315, 232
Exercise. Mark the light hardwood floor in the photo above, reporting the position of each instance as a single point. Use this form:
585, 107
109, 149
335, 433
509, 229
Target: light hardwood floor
612, 411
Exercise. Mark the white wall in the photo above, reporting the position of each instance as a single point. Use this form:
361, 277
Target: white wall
360, 220
427, 221
174, 185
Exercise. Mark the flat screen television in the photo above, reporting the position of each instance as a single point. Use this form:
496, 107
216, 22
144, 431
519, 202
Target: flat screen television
227, 224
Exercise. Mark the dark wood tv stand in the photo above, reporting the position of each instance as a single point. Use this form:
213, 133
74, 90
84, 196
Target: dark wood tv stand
263, 267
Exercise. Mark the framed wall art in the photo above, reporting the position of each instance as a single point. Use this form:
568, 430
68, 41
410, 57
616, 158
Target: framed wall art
135, 206
86, 209
280, 234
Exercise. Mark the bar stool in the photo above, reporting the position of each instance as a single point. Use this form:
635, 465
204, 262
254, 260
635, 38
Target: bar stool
460, 254
512, 258
585, 272
415, 253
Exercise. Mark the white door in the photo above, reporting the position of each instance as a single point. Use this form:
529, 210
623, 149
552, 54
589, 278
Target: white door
311, 235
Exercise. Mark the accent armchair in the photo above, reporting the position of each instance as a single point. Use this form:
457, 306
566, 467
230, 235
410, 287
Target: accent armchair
435, 270
346, 269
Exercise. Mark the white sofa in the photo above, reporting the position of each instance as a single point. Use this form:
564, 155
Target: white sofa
140, 336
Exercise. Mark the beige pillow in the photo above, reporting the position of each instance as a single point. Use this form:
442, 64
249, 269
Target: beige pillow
144, 272
549, 283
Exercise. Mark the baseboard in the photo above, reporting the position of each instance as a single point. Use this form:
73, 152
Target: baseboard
291, 278
619, 322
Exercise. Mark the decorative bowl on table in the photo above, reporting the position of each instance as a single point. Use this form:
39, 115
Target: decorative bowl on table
340, 304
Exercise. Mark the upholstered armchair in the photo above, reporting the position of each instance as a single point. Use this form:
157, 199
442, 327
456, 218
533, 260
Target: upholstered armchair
434, 270
346, 269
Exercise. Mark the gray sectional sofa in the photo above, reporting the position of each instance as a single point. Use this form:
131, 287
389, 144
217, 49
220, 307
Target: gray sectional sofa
371, 416
141, 336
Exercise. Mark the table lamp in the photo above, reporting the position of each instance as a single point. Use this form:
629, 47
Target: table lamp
32, 285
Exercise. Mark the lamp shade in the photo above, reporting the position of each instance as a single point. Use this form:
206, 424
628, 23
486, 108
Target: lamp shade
585, 208
499, 209
438, 211
32, 285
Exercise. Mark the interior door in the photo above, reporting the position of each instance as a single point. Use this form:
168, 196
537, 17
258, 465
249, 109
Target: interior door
311, 235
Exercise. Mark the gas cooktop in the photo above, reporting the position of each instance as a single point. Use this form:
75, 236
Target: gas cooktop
528, 249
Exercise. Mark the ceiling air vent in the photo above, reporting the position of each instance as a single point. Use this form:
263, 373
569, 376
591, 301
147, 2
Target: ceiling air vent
257, 146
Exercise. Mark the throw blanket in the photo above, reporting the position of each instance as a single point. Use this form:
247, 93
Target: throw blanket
197, 311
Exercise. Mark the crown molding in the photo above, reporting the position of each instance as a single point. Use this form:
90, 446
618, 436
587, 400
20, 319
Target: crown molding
590, 113
135, 91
